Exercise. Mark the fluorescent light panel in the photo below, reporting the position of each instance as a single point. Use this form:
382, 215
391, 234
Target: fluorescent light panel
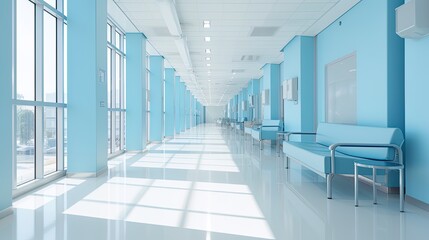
208, 50
206, 24
207, 39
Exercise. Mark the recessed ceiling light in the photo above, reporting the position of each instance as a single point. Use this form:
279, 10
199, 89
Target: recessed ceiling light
208, 58
208, 50
206, 24
208, 64
210, 80
207, 39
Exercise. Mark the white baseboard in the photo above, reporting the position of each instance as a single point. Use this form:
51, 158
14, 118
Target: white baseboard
87, 174
6, 212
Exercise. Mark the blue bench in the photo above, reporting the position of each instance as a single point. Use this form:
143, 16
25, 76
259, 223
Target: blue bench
338, 146
240, 124
266, 131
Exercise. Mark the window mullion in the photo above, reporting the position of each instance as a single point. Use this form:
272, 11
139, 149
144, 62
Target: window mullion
60, 90
39, 92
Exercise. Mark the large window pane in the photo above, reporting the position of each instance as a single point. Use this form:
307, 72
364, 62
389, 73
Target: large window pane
50, 57
109, 132
65, 137
109, 33
117, 131
65, 63
118, 40
25, 144
109, 77
25, 50
53, 3
118, 81
50, 140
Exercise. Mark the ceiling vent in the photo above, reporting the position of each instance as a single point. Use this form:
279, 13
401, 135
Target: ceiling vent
263, 31
250, 58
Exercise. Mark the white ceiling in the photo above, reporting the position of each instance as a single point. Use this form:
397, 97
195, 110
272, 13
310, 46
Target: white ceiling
232, 22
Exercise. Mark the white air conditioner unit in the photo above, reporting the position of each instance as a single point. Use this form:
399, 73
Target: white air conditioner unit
412, 19
265, 96
290, 89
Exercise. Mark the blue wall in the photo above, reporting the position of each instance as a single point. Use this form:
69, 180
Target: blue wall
156, 94
367, 30
182, 92
177, 104
187, 109
136, 92
271, 81
169, 102
87, 115
299, 62
6, 74
417, 118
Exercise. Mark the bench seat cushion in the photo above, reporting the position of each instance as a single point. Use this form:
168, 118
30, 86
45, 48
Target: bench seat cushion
318, 157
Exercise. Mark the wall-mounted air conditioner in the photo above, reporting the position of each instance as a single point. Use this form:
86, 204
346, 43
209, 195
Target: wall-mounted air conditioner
412, 19
290, 89
265, 96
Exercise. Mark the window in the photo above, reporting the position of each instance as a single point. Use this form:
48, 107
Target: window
147, 97
341, 90
39, 94
115, 89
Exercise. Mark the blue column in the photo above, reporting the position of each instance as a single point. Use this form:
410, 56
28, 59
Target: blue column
156, 92
193, 111
87, 88
136, 92
6, 74
177, 104
182, 107
299, 62
240, 110
187, 109
244, 111
236, 107
271, 81
169, 102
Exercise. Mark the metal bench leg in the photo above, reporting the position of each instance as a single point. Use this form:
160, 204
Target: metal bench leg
356, 185
260, 144
287, 162
401, 190
329, 185
374, 187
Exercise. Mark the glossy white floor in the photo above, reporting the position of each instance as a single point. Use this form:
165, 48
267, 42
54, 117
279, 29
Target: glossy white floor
208, 183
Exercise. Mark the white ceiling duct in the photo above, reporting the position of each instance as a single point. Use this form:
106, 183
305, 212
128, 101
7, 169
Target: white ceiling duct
168, 11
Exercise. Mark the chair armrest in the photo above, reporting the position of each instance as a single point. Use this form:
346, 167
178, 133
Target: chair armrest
334, 146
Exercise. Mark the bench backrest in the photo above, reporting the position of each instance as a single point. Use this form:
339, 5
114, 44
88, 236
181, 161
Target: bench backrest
269, 124
329, 133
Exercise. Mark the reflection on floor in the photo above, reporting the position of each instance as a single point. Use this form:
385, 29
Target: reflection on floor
208, 183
